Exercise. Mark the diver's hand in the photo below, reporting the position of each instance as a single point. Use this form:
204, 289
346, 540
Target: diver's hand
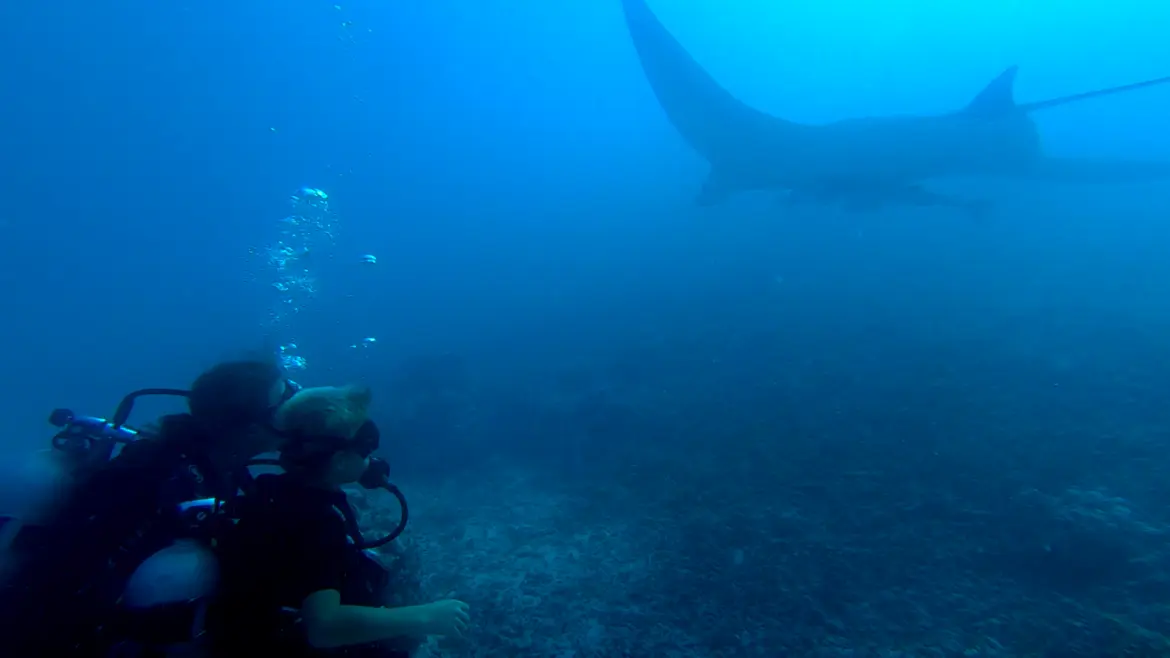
448, 617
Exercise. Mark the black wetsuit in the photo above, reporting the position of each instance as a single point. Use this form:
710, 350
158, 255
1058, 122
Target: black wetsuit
62, 598
289, 541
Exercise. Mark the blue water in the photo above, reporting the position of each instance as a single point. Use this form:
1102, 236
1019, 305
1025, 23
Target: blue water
726, 431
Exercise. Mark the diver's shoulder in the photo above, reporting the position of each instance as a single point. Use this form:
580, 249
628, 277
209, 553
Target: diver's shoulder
173, 434
293, 490
147, 452
299, 504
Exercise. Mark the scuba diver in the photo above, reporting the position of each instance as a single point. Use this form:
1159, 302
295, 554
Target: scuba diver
65, 590
296, 574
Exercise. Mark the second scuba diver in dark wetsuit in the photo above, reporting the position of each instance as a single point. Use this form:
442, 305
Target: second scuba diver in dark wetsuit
64, 594
294, 578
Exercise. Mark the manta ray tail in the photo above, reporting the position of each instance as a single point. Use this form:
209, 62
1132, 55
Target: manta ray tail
998, 97
1108, 91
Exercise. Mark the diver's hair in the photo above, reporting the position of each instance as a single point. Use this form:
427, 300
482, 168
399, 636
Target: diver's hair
316, 421
335, 412
234, 394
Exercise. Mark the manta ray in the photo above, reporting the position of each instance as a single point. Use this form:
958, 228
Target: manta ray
862, 163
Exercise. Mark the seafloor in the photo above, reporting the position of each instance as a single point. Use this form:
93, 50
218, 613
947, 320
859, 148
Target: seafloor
868, 565
852, 502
